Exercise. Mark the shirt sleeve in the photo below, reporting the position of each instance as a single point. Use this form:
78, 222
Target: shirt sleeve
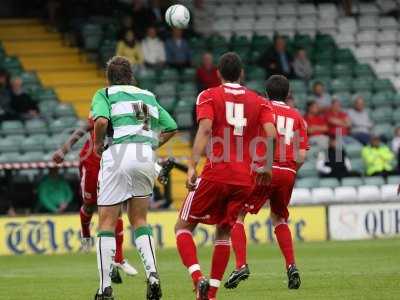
204, 106
266, 114
100, 106
304, 145
167, 123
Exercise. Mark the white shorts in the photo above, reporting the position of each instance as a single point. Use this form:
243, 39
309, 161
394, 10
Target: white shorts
126, 171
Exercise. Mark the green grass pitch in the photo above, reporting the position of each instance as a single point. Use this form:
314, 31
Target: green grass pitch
330, 270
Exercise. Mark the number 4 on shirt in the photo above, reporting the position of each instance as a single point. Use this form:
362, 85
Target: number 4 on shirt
235, 117
284, 126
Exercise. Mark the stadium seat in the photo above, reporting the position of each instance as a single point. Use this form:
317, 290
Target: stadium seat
321, 194
169, 75
188, 74
9, 144
393, 179
34, 143
255, 73
357, 165
353, 150
301, 196
308, 170
369, 193
256, 85
382, 85
352, 181
35, 126
187, 91
329, 182
374, 180
384, 130
12, 127
382, 114
308, 182
10, 157
340, 85
92, 35
64, 110
32, 156
366, 37
346, 194
165, 90
389, 192
167, 102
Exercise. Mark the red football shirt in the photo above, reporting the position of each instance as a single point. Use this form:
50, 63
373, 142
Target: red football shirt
318, 120
208, 78
87, 154
237, 114
292, 135
333, 128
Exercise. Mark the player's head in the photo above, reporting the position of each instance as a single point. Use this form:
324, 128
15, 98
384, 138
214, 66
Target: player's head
230, 67
277, 88
119, 71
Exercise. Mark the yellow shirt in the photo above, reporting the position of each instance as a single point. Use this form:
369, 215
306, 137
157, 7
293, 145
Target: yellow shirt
133, 54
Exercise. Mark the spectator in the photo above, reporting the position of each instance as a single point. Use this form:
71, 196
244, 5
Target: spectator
177, 49
153, 49
206, 74
322, 98
378, 158
396, 146
6, 111
338, 120
361, 123
334, 162
302, 66
54, 193
22, 103
130, 48
277, 60
317, 127
126, 25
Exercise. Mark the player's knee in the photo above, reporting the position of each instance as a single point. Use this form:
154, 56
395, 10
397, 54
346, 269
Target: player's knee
222, 232
276, 220
89, 208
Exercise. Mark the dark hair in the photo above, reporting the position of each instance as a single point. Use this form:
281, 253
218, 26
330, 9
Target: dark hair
309, 104
230, 66
318, 83
119, 71
277, 87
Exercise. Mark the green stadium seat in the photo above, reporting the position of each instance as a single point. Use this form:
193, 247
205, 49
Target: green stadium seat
344, 56
384, 129
167, 102
339, 85
367, 95
165, 89
10, 157
197, 42
393, 179
380, 99
353, 150
383, 85
184, 120
34, 143
240, 42
396, 99
217, 41
298, 86
260, 42
363, 70
56, 141
12, 127
36, 126
382, 114
308, 170
340, 70
328, 182
18, 138
255, 73
257, 86
188, 74
146, 75
92, 35
47, 108
187, 89
308, 182
322, 70
396, 115
361, 84
47, 95
110, 31
65, 110
374, 180
357, 165
12, 65
345, 98
168, 75
352, 181
29, 78
9, 145
32, 156
324, 40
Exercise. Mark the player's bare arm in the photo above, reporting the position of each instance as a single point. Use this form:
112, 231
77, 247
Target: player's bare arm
200, 143
264, 174
100, 130
165, 137
58, 156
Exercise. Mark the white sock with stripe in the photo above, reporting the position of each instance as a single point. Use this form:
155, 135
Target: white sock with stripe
145, 245
105, 256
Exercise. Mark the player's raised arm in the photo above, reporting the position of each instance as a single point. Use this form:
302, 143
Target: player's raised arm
58, 156
168, 126
101, 117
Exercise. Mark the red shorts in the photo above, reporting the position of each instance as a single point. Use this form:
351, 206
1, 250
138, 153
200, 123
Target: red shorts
278, 192
214, 203
89, 173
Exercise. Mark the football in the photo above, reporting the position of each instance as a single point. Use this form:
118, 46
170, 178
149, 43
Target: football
177, 16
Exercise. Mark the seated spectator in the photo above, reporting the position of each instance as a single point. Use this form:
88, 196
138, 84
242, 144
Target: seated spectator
177, 50
361, 123
317, 126
130, 48
334, 162
320, 96
206, 74
302, 66
396, 146
378, 158
338, 120
54, 193
153, 49
22, 103
277, 60
6, 110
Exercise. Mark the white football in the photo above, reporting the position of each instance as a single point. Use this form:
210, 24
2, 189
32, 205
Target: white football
177, 16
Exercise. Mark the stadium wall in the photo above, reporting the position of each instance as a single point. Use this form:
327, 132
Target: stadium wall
57, 234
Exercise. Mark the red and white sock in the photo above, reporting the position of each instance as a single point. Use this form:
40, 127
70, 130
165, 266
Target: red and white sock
188, 252
239, 244
222, 250
86, 219
284, 239
119, 239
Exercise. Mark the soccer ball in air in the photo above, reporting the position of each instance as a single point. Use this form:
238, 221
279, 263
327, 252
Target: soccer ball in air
177, 16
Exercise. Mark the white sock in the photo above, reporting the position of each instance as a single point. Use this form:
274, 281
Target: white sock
145, 246
105, 256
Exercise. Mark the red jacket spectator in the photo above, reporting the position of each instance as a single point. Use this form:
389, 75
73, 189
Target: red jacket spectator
338, 120
316, 122
206, 74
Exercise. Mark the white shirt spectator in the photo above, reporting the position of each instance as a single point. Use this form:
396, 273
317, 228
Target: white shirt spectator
153, 48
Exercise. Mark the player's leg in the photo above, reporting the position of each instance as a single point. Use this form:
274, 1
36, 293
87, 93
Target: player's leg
220, 258
105, 247
119, 260
137, 213
85, 215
